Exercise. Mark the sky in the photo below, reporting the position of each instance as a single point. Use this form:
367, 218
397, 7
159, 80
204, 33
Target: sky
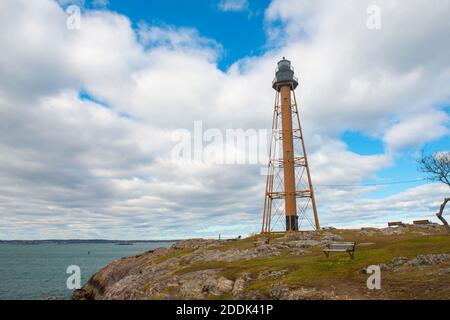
89, 107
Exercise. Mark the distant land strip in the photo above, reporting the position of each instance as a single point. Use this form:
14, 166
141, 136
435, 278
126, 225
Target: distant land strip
79, 241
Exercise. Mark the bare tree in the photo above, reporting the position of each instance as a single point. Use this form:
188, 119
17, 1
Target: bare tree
437, 168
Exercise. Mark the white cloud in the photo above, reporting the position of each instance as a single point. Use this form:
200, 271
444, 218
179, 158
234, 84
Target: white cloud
417, 130
334, 164
233, 5
420, 202
187, 39
353, 78
88, 170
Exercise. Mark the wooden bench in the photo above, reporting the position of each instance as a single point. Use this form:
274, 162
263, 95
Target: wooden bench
422, 222
396, 224
348, 247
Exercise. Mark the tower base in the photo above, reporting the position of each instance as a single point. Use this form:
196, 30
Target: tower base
291, 223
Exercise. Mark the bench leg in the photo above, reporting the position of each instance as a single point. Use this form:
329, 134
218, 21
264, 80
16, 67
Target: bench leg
327, 254
352, 254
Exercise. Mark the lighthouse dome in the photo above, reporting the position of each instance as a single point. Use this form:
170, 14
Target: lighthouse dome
284, 75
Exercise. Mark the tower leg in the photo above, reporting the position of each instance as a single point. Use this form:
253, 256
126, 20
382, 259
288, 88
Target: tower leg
267, 216
308, 173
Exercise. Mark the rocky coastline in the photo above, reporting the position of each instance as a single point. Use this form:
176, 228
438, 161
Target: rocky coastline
284, 266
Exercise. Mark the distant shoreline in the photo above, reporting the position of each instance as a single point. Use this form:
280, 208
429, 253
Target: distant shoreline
79, 241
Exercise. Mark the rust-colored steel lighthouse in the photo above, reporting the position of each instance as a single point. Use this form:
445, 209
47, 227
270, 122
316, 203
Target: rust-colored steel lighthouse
289, 178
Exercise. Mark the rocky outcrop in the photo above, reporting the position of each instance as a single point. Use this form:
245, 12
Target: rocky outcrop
206, 255
301, 294
241, 284
197, 285
193, 244
164, 274
205, 269
405, 228
420, 260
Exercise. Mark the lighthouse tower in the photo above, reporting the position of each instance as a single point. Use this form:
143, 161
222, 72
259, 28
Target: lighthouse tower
289, 198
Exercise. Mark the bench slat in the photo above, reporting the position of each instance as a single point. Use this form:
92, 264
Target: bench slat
348, 247
342, 246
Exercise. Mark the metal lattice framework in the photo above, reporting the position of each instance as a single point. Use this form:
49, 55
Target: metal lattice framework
274, 210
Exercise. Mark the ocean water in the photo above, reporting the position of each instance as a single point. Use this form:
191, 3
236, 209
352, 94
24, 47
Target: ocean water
30, 272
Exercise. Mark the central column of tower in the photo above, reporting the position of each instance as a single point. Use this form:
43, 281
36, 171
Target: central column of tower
288, 158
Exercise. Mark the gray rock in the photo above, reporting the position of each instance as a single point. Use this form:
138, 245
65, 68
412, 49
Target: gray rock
240, 284
81, 294
206, 255
393, 231
282, 293
310, 294
367, 232
196, 284
192, 289
278, 293
192, 244
253, 295
268, 273
429, 259
304, 244
364, 233
309, 235
398, 261
261, 241
160, 252
298, 252
224, 285
383, 267
280, 246
331, 237
421, 260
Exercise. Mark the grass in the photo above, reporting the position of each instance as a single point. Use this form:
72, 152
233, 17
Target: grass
315, 270
172, 254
